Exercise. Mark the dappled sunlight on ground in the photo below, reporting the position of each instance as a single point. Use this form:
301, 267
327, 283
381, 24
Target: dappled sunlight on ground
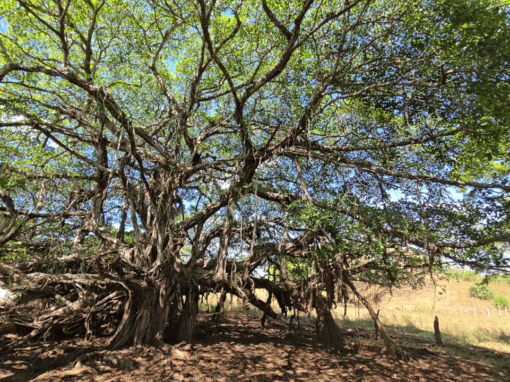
239, 349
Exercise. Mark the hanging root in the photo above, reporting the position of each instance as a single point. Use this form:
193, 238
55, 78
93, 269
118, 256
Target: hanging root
391, 347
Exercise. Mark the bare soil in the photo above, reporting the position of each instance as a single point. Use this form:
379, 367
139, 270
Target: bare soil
239, 349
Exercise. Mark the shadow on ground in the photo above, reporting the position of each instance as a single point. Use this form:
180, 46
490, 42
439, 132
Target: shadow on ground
239, 349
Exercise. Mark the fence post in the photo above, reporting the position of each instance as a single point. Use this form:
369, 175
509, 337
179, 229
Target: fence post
376, 329
437, 333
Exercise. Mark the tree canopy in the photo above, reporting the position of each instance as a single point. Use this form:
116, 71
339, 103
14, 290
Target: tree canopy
150, 148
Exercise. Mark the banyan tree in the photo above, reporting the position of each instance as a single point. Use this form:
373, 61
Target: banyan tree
154, 149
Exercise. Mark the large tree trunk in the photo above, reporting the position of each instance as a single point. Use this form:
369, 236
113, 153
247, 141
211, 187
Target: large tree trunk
327, 330
145, 317
147, 310
391, 346
150, 321
188, 316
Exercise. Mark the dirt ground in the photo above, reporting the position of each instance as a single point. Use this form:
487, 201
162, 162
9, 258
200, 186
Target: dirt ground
239, 349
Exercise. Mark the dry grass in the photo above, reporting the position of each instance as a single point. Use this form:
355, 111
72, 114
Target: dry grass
411, 310
408, 312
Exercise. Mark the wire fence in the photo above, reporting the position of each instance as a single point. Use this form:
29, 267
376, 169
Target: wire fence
473, 312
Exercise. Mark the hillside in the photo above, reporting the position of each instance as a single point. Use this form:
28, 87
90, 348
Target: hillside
409, 311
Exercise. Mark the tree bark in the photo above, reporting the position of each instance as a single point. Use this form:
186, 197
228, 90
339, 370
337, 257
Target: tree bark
268, 302
230, 303
219, 307
144, 320
188, 316
327, 330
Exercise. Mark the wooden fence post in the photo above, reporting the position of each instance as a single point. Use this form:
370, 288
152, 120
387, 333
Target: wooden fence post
378, 310
437, 333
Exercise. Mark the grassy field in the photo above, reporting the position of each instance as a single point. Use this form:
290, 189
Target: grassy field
409, 314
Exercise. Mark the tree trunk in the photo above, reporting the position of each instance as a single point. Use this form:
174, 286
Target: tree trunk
291, 318
188, 316
219, 307
268, 302
208, 293
145, 318
327, 330
391, 346
230, 303
437, 333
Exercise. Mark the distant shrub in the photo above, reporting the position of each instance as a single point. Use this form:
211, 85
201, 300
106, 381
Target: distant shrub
464, 275
500, 302
469, 276
480, 291
505, 278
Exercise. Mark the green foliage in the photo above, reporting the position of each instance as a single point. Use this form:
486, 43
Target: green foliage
500, 302
480, 291
504, 278
415, 97
464, 275
7, 181
19, 254
469, 276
